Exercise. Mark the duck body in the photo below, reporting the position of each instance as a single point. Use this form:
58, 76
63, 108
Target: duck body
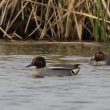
60, 70
107, 60
55, 71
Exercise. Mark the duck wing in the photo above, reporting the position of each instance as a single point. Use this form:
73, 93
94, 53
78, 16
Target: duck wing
65, 66
61, 67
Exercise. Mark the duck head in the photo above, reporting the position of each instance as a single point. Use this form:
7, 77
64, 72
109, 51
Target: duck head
99, 56
39, 62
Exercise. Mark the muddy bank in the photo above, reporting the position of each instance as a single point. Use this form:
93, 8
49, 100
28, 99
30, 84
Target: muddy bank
58, 48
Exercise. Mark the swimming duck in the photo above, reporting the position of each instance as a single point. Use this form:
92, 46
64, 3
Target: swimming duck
58, 70
101, 58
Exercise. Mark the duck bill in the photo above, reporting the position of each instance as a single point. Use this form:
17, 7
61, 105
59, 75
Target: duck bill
92, 59
29, 65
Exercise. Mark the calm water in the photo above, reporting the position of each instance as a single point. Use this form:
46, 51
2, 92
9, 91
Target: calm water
89, 90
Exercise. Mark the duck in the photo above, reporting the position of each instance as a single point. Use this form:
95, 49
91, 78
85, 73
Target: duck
60, 70
100, 58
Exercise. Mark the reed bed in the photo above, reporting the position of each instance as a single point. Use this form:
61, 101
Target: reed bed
55, 20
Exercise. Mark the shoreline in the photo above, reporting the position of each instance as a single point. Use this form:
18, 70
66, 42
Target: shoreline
75, 43
54, 48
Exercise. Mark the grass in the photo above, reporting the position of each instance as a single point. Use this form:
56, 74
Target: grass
59, 20
99, 27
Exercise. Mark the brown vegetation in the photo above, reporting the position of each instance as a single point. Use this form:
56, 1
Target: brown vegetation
53, 19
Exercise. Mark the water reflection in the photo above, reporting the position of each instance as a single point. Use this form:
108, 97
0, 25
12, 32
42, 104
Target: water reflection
89, 90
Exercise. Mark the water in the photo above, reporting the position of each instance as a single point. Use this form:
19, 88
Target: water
89, 90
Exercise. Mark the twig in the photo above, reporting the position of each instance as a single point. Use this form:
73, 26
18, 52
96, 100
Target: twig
6, 33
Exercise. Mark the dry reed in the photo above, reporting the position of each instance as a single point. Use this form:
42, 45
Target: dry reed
51, 19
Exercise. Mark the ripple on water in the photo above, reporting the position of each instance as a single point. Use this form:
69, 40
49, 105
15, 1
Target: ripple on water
89, 90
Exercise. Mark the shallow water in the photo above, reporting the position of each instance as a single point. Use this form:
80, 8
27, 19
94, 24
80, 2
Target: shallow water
89, 90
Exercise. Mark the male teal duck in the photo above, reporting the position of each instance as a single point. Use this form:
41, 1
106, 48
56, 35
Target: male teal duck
58, 70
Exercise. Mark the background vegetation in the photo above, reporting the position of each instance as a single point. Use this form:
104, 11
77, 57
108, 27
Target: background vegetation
55, 20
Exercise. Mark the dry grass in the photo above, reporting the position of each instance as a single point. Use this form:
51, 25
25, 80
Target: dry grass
50, 19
